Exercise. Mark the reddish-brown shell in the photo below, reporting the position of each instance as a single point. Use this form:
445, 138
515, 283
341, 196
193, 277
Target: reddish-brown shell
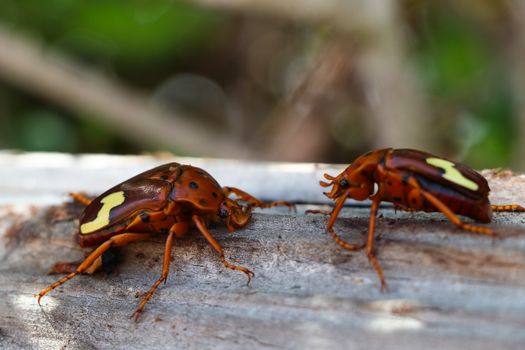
199, 188
185, 185
415, 161
465, 192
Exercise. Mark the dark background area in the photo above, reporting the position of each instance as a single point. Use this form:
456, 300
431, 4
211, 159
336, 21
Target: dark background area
305, 86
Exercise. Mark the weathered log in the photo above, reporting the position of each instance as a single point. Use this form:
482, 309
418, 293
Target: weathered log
447, 288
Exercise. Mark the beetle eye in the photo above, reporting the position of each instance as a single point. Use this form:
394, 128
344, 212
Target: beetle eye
343, 183
223, 213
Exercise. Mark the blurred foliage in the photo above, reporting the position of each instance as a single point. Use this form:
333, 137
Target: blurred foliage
457, 48
138, 41
462, 68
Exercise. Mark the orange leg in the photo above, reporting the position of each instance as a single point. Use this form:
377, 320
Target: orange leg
329, 227
148, 217
64, 267
177, 230
81, 198
453, 217
118, 240
508, 207
204, 231
318, 211
370, 242
254, 202
162, 278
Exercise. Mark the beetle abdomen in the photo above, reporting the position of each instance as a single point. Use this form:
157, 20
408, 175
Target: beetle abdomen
397, 188
475, 208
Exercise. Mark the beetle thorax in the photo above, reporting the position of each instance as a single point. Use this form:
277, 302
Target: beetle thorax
198, 188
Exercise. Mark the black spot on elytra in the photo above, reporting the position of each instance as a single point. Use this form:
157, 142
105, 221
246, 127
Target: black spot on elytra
144, 217
164, 177
397, 199
214, 194
194, 185
389, 183
203, 201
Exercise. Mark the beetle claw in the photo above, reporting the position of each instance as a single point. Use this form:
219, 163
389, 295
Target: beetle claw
250, 275
136, 315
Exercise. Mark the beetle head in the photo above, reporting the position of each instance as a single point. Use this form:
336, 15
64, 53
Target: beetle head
353, 185
233, 214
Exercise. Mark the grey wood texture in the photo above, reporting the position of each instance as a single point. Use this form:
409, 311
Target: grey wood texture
447, 289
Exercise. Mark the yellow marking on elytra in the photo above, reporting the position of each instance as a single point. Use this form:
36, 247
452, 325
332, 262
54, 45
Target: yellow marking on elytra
453, 174
109, 202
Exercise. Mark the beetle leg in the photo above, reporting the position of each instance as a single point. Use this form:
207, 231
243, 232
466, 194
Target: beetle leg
329, 227
318, 211
508, 207
117, 240
370, 242
204, 231
81, 198
254, 202
145, 217
174, 230
453, 217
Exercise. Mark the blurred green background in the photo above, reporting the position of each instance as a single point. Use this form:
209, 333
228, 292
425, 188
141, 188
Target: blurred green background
250, 75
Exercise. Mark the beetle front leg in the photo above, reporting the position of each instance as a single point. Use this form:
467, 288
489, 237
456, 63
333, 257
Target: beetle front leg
204, 231
254, 202
329, 227
118, 240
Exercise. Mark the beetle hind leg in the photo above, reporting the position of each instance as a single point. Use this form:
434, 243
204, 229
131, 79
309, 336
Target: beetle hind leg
439, 205
318, 211
81, 198
254, 202
117, 240
508, 207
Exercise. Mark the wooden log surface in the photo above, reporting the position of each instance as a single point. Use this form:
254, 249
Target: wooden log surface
447, 288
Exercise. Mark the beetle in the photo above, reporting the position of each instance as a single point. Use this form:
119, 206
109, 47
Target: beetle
168, 199
415, 181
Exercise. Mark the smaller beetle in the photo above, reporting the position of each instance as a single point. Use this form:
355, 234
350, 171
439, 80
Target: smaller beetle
414, 181
168, 199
